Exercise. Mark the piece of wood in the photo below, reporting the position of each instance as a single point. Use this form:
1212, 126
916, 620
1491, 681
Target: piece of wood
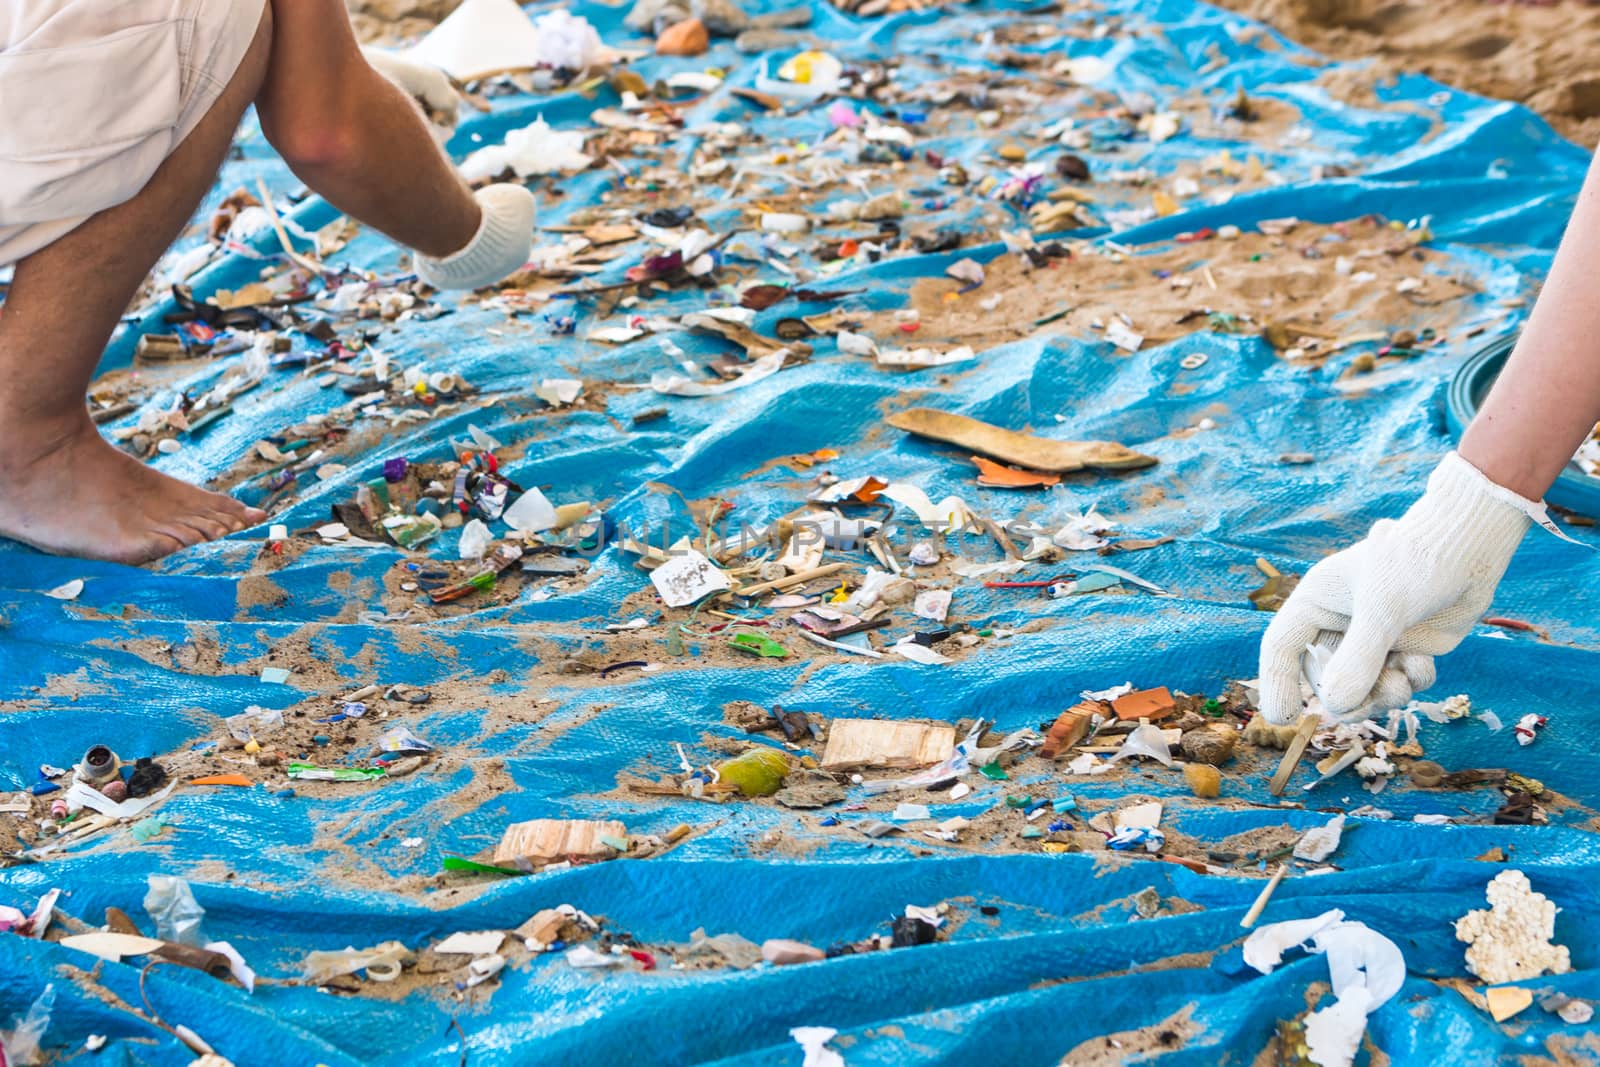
1296, 749
111, 946
539, 841
884, 743
1265, 895
1145, 704
793, 579
1018, 449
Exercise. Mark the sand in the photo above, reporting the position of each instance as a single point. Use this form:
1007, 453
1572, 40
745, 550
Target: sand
1541, 55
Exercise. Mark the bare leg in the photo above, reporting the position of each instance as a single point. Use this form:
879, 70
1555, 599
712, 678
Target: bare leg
356, 138
63, 488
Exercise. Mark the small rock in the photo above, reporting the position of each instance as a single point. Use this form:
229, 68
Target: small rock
1072, 167
1013, 153
722, 18
1204, 780
266, 759
787, 19
686, 38
751, 42
780, 951
1209, 746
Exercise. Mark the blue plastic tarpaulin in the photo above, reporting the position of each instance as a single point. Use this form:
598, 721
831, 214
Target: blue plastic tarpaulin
147, 661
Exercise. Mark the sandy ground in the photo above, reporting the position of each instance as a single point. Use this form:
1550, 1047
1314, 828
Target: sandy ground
1541, 55
1538, 54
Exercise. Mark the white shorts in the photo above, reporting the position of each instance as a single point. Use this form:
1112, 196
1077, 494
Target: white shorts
95, 94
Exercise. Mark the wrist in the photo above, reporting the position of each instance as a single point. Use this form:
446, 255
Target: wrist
1464, 512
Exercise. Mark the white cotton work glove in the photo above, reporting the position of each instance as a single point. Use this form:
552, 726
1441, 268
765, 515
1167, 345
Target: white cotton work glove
500, 247
427, 84
1387, 605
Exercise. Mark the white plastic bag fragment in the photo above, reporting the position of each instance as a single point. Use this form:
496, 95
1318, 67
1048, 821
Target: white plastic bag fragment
558, 392
814, 1040
531, 513
20, 1046
916, 653
475, 540
483, 37
1365, 970
534, 149
171, 904
566, 41
856, 344
585, 958
675, 384
66, 590
949, 512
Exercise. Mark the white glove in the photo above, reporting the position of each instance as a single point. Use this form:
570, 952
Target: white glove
1387, 605
427, 84
499, 248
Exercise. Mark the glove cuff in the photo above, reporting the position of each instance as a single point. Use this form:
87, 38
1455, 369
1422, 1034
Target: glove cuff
1469, 517
499, 248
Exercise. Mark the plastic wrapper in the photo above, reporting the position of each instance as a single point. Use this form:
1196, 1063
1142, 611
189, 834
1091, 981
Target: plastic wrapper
171, 905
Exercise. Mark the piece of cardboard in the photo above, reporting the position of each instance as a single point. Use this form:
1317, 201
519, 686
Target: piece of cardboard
539, 841
884, 743
1018, 449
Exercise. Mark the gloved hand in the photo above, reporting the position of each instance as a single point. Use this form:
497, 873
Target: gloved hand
1387, 605
427, 84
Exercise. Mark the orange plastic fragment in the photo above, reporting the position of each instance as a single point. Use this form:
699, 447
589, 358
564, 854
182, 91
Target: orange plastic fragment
222, 779
992, 473
868, 493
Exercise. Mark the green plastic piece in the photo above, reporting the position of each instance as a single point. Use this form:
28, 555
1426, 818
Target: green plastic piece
1018, 802
1066, 803
985, 632
994, 771
458, 863
758, 645
757, 773
1212, 706
312, 772
484, 581
618, 843
147, 829
1031, 832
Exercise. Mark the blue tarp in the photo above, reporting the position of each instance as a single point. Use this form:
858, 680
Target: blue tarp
282, 875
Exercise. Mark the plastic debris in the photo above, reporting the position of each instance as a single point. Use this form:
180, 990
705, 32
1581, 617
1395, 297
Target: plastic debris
1512, 940
814, 1041
1320, 842
172, 907
1366, 970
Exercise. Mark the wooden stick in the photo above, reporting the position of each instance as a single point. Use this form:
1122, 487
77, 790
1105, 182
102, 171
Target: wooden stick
1265, 895
1297, 748
793, 579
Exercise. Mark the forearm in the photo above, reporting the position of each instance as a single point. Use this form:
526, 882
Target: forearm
1547, 399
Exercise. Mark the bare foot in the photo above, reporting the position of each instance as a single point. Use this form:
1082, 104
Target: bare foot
66, 490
